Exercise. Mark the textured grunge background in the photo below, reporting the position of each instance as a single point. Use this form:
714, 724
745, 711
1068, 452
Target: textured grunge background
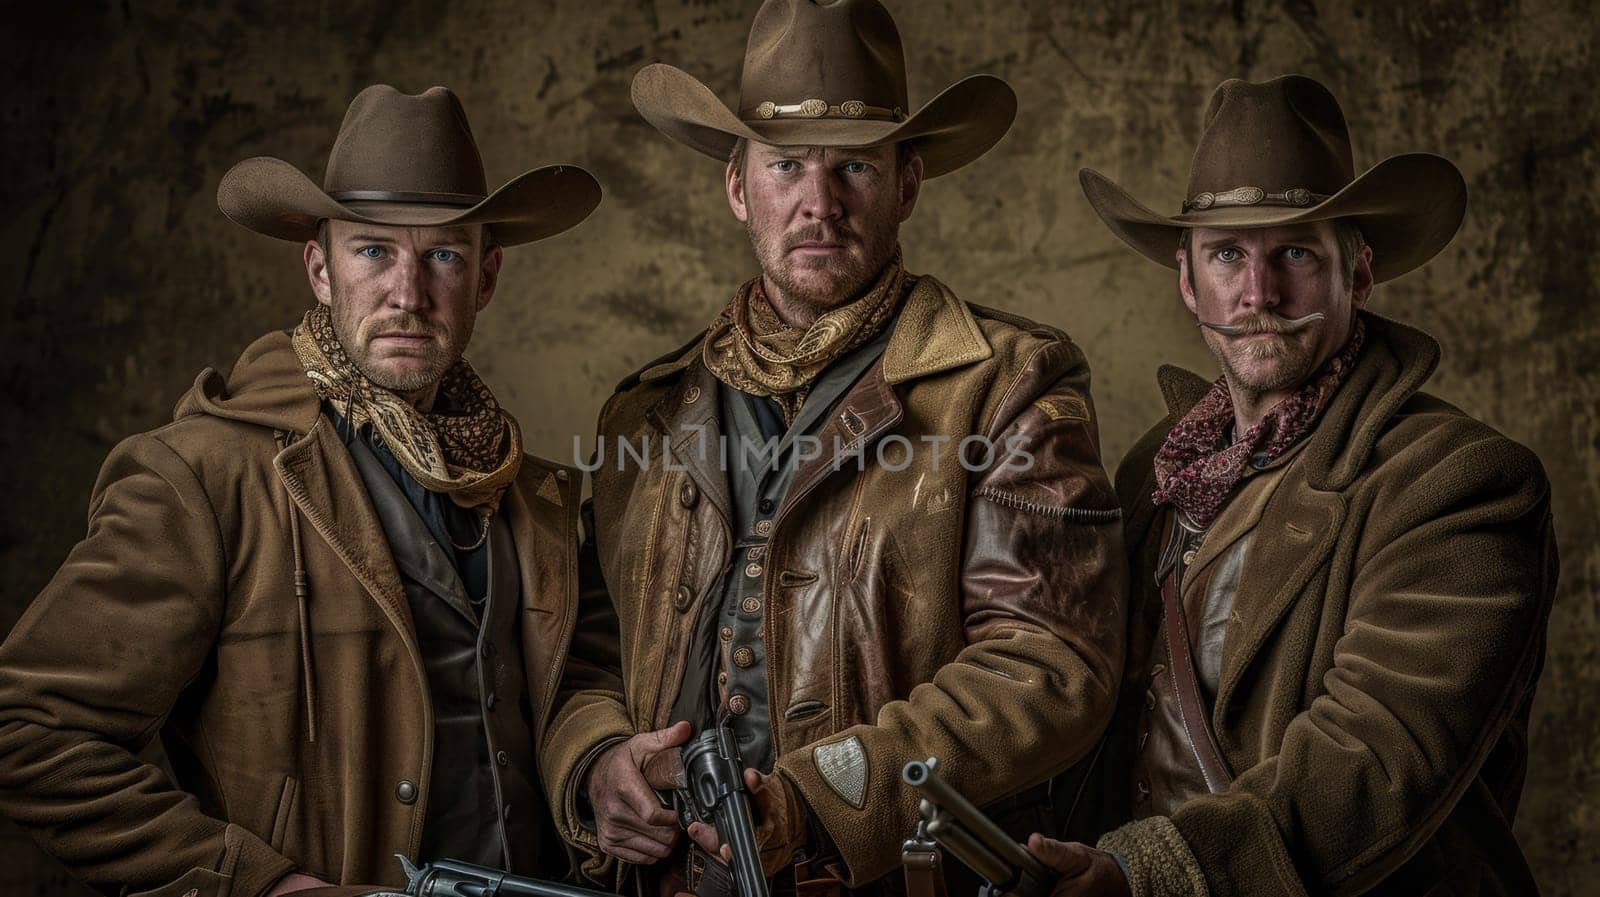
125, 281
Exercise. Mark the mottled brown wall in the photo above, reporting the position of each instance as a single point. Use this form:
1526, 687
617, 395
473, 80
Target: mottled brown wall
124, 280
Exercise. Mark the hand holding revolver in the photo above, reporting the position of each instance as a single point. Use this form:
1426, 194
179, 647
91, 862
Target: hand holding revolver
780, 824
629, 820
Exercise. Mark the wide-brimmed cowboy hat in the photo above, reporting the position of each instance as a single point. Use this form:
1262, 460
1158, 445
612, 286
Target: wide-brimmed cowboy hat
827, 73
408, 161
1278, 153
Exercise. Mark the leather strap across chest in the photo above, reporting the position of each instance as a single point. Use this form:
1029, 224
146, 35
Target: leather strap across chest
1191, 706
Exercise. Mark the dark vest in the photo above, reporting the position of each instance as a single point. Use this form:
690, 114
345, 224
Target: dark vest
484, 805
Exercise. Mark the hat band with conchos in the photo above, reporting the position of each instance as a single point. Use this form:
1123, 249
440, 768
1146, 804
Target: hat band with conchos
815, 108
1294, 197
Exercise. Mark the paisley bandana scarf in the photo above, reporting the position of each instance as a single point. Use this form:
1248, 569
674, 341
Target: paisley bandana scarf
1195, 476
470, 451
750, 348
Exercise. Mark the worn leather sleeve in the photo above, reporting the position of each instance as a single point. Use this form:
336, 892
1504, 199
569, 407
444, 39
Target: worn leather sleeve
1450, 590
91, 671
1043, 580
589, 713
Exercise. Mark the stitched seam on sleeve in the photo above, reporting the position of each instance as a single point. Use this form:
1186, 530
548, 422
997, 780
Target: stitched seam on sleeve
1075, 515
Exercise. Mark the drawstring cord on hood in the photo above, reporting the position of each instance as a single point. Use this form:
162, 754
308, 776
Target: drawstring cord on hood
302, 594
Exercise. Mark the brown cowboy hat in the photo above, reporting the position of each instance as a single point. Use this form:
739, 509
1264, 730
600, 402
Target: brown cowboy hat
827, 73
405, 160
1278, 153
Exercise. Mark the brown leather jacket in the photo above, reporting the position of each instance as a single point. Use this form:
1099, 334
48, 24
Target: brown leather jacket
976, 615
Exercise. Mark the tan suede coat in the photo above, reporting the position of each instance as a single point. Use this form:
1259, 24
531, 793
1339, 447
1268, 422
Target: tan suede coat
1386, 638
173, 632
975, 614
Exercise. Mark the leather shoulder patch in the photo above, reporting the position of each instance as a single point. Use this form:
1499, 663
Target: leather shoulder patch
1061, 407
843, 765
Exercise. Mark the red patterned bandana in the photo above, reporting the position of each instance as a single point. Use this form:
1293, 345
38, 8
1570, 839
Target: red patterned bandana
1196, 476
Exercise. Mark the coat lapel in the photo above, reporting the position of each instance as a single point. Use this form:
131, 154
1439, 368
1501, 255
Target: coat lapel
866, 412
325, 485
541, 507
691, 426
934, 332
1296, 534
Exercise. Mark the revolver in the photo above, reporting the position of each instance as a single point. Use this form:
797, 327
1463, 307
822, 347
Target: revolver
451, 878
714, 793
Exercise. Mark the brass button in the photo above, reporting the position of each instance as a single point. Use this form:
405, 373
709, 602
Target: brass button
406, 792
1188, 557
682, 598
722, 678
751, 605
688, 495
561, 474
744, 658
502, 758
763, 527
1149, 700
758, 552
753, 571
739, 705
691, 395
727, 633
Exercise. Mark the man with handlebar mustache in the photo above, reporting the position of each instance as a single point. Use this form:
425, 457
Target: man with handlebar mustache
1340, 583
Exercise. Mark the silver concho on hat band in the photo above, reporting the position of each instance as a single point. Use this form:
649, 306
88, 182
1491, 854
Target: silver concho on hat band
818, 108
1298, 197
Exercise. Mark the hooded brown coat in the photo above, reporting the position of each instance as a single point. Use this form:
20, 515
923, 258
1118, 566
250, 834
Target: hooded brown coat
920, 606
1386, 637
174, 628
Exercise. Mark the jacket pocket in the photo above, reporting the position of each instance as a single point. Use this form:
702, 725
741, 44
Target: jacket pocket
286, 804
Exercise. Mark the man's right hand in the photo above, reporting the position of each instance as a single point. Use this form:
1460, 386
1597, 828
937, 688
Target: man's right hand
629, 820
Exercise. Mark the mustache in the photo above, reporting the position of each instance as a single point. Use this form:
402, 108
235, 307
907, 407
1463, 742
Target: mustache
404, 325
820, 234
1265, 322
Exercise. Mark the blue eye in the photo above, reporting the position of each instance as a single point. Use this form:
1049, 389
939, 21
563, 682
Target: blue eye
444, 255
1228, 254
855, 167
371, 252
784, 166
1296, 254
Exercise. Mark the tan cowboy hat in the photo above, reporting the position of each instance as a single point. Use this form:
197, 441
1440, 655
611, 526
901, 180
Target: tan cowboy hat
827, 73
405, 160
1278, 153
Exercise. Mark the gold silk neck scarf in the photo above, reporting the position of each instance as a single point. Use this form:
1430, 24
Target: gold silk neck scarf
752, 350
470, 450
